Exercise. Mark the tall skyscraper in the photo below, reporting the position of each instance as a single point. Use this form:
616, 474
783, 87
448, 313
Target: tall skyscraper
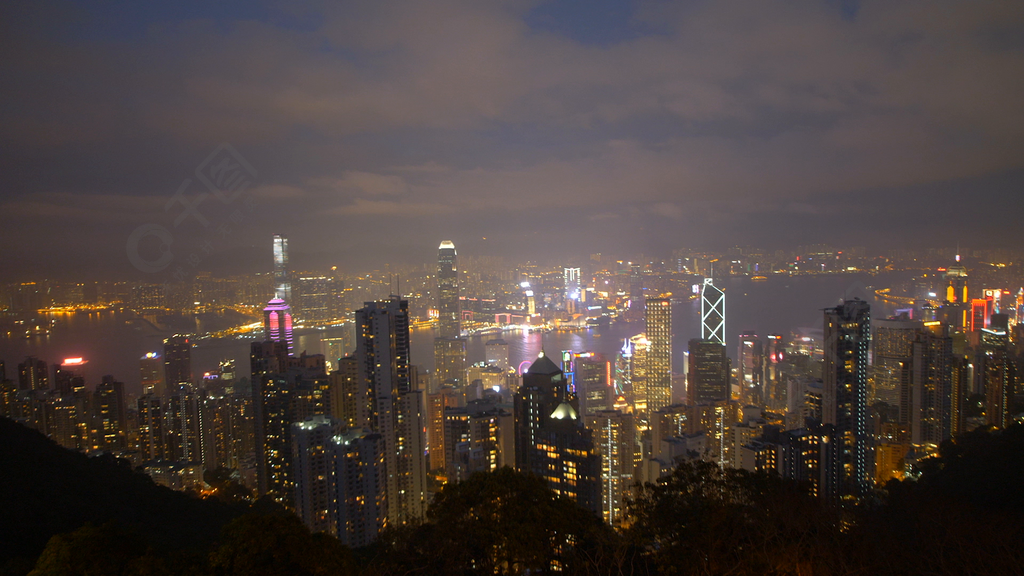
449, 320
339, 480
932, 392
33, 374
449, 347
177, 363
551, 440
282, 280
572, 295
994, 369
847, 335
277, 323
658, 317
707, 376
751, 377
151, 372
892, 344
496, 353
390, 405
712, 312
615, 442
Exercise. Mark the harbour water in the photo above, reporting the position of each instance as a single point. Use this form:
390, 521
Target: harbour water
113, 342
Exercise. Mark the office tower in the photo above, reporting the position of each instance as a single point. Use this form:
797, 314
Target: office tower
712, 312
110, 413
707, 375
932, 393
639, 361
956, 288
892, 348
277, 323
313, 294
572, 293
33, 374
449, 348
177, 363
65, 380
994, 371
449, 320
773, 380
658, 317
282, 280
593, 380
847, 335
151, 372
751, 363
615, 442
151, 429
551, 440
979, 314
389, 404
450, 361
496, 353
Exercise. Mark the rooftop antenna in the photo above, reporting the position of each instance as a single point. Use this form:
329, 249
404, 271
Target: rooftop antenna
957, 250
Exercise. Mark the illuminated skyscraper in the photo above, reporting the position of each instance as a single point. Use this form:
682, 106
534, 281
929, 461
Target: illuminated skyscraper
847, 336
496, 353
571, 280
639, 362
151, 371
658, 317
994, 369
282, 281
449, 321
33, 374
449, 347
177, 363
707, 376
615, 442
389, 404
751, 361
277, 323
551, 440
712, 313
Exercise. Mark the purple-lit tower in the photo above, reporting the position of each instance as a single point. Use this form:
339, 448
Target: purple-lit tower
277, 322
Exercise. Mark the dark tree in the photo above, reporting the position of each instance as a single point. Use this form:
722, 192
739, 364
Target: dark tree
501, 522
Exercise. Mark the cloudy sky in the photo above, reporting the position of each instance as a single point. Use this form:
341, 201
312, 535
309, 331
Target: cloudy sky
372, 130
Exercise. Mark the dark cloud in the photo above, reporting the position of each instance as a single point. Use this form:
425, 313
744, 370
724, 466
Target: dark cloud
379, 126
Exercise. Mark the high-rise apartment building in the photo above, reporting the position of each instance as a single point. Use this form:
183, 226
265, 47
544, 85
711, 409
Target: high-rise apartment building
847, 336
177, 363
614, 434
339, 480
390, 405
658, 319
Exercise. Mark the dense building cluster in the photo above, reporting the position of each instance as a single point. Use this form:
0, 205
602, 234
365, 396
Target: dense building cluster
360, 438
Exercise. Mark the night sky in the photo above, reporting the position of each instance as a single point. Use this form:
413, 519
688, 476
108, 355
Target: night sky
375, 129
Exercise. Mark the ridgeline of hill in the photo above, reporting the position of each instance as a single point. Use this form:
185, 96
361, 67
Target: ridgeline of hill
47, 490
63, 513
